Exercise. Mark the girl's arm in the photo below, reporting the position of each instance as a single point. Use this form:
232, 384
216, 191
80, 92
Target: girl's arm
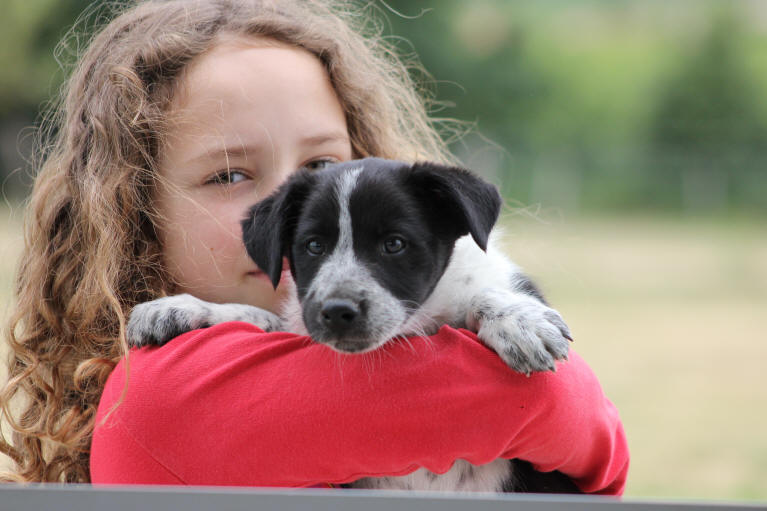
231, 405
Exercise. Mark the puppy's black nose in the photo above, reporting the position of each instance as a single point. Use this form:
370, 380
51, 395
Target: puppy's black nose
339, 314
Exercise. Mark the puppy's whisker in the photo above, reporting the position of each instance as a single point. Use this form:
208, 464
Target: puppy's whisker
339, 360
368, 363
379, 356
385, 350
406, 340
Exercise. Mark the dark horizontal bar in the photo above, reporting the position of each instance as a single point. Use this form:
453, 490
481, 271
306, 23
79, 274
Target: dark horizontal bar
85, 497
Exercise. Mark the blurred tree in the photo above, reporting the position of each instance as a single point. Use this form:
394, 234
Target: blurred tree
708, 138
29, 31
704, 146
560, 92
476, 52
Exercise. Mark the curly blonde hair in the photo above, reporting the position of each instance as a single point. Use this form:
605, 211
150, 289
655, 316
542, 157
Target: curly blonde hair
91, 250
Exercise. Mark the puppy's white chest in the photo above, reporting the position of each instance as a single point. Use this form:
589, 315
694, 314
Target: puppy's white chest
462, 477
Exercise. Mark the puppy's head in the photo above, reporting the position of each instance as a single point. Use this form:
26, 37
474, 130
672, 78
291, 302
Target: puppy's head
367, 241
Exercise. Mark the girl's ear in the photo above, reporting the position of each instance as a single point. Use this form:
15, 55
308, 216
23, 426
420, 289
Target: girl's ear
268, 229
458, 201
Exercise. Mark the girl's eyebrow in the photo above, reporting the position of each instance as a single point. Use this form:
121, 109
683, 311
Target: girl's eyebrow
242, 150
322, 138
238, 150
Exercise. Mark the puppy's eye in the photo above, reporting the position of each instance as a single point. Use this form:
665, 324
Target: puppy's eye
394, 245
315, 247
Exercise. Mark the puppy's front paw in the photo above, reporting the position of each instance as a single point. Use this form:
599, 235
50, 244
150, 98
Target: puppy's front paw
526, 334
157, 322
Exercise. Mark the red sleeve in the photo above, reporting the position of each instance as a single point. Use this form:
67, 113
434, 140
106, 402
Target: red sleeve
231, 405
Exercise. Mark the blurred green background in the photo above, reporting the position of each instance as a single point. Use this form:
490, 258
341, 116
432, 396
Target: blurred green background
630, 141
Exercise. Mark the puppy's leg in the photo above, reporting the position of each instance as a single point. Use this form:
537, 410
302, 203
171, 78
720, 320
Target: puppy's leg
527, 334
487, 293
155, 323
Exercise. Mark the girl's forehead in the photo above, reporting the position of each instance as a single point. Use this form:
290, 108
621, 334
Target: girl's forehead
251, 71
234, 60
252, 93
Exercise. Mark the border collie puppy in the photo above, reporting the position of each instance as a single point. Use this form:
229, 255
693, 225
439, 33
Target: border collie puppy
380, 249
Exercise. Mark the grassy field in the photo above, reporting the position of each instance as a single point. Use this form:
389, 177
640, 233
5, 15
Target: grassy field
11, 242
670, 314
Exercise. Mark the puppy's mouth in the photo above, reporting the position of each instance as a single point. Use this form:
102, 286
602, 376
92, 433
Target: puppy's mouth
352, 346
358, 341
344, 324
361, 340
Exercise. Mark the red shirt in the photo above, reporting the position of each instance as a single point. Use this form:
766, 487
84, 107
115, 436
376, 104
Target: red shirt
232, 405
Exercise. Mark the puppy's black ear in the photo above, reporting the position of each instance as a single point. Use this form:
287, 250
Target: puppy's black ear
268, 229
458, 201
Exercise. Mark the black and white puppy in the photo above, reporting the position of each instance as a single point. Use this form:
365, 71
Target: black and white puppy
380, 249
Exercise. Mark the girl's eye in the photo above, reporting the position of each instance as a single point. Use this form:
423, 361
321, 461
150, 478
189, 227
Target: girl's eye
394, 245
227, 177
315, 247
319, 164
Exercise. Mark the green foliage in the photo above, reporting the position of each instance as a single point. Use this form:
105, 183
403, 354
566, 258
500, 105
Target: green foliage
29, 31
706, 135
606, 106
32, 73
581, 106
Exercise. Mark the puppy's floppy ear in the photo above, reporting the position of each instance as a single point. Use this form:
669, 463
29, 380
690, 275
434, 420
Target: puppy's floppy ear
458, 201
268, 229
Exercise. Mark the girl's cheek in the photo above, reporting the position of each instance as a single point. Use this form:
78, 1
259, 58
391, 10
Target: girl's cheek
226, 231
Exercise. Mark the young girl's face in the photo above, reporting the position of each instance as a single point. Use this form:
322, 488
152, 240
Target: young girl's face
246, 115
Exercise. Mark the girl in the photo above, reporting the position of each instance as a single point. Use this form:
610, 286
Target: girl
178, 117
